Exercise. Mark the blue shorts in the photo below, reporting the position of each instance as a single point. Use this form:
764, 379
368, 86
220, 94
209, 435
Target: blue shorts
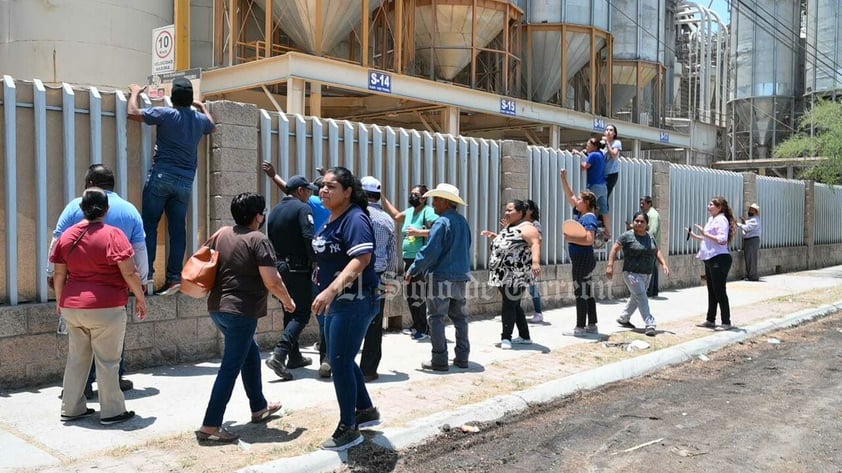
601, 193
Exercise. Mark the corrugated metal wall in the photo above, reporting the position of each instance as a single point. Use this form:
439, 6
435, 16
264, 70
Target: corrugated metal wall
691, 188
399, 158
828, 225
780, 200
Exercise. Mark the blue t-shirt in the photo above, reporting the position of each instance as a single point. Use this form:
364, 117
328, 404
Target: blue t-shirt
612, 166
341, 240
320, 213
596, 173
179, 131
590, 223
121, 214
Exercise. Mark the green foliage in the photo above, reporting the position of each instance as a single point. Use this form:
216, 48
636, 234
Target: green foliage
825, 119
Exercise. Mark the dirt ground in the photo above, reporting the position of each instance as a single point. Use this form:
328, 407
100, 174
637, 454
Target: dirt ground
757, 406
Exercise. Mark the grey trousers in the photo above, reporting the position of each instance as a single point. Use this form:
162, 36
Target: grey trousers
447, 298
751, 246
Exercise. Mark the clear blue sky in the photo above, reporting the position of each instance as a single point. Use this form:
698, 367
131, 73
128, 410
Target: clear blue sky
719, 6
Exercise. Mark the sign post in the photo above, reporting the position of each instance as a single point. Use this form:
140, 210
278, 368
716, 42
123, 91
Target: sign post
163, 49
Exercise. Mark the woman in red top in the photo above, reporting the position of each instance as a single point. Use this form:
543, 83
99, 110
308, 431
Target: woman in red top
94, 267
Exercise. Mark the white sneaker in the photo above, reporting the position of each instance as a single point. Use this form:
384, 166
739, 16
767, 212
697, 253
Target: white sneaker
521, 341
537, 318
505, 344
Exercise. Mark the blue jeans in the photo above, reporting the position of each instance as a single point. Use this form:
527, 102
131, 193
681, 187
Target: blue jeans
240, 358
345, 326
535, 293
447, 298
170, 194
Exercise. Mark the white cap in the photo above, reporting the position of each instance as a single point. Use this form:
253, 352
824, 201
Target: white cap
370, 184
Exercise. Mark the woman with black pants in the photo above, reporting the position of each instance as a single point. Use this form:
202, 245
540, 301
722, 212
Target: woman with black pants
715, 237
582, 259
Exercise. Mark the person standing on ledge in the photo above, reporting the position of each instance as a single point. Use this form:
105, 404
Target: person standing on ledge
170, 180
752, 231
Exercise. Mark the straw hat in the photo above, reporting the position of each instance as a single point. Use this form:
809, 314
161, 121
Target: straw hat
446, 191
755, 207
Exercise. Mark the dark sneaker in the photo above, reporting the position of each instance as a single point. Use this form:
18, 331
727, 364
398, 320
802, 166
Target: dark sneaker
117, 419
367, 418
707, 324
304, 361
279, 368
428, 365
169, 289
324, 370
88, 412
343, 438
420, 337
460, 363
650, 331
625, 324
591, 328
126, 385
371, 377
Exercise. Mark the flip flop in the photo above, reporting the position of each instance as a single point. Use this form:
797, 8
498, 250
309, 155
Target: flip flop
220, 436
263, 415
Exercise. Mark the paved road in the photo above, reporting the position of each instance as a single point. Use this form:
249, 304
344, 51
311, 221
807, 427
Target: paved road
753, 407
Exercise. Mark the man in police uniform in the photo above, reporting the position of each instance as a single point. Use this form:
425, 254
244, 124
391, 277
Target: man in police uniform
290, 228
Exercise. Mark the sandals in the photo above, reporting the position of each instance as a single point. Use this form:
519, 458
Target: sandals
263, 415
220, 436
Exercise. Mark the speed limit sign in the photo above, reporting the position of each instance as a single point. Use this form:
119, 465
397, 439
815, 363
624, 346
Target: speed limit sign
163, 49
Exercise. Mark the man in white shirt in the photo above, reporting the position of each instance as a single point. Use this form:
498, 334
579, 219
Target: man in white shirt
751, 240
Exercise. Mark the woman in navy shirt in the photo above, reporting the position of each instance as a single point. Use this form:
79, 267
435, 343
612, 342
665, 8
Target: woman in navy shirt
347, 286
582, 258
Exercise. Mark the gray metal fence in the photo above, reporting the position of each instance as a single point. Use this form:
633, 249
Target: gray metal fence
828, 226
780, 201
691, 188
399, 158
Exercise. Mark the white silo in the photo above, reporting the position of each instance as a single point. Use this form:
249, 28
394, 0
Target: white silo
563, 35
764, 60
106, 44
639, 28
823, 57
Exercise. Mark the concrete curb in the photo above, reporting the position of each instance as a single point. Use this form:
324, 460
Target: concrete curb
500, 406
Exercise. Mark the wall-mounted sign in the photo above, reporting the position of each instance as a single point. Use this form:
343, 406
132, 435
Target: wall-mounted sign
665, 137
598, 124
508, 107
163, 49
379, 82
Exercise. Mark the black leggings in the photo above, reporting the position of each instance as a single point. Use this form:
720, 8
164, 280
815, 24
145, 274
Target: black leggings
611, 181
716, 274
583, 265
512, 313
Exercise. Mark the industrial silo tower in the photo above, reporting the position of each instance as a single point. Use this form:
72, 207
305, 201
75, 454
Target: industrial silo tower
764, 79
823, 57
567, 43
639, 28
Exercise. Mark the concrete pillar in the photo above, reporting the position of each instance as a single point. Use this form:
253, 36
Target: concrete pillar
555, 136
315, 99
450, 121
810, 222
234, 158
514, 170
295, 96
661, 200
749, 193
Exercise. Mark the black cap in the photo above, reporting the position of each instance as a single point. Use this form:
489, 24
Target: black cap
182, 91
300, 181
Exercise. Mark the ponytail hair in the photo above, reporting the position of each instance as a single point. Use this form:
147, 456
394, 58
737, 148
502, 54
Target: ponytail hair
346, 179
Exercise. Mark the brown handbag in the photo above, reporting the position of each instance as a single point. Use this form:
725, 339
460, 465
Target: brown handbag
198, 276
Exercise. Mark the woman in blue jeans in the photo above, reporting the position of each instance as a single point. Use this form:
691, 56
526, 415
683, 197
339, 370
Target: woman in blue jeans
245, 270
347, 283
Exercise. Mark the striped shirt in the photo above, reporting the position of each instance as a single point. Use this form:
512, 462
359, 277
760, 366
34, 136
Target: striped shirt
385, 256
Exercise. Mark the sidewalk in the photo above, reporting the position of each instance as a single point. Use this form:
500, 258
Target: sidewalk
170, 401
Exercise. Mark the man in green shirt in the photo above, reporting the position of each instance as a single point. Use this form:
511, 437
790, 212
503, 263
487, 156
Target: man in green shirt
654, 229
